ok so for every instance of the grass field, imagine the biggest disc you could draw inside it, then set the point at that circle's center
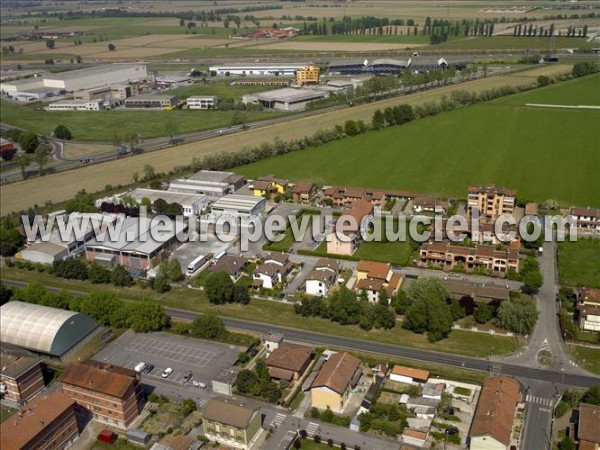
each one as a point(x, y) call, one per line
point(579, 263)
point(509, 42)
point(459, 342)
point(496, 142)
point(21, 195)
point(100, 126)
point(588, 358)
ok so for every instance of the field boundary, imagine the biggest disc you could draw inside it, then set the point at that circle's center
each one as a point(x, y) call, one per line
point(542, 105)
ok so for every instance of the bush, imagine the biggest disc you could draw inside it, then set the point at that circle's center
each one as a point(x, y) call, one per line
point(561, 409)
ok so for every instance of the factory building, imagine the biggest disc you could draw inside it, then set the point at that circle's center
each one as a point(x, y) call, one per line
point(286, 99)
point(191, 204)
point(257, 70)
point(76, 105)
point(208, 182)
point(385, 66)
point(114, 93)
point(242, 206)
point(150, 101)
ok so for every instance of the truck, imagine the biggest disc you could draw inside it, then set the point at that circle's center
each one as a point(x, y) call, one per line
point(196, 264)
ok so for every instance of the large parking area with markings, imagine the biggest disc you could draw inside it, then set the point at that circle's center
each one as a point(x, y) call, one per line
point(204, 359)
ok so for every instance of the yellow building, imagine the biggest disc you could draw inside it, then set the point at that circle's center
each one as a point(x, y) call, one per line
point(269, 185)
point(308, 75)
point(232, 423)
point(334, 382)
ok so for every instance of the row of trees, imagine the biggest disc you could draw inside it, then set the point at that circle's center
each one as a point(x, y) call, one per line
point(220, 289)
point(105, 308)
point(79, 269)
point(531, 30)
point(342, 307)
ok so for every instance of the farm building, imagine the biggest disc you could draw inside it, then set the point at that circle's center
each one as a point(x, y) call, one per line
point(43, 329)
point(151, 101)
point(202, 101)
point(208, 182)
point(191, 204)
point(257, 70)
point(286, 99)
point(137, 246)
point(75, 80)
point(243, 206)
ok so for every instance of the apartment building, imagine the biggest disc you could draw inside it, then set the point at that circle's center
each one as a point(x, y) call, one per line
point(21, 376)
point(345, 196)
point(491, 201)
point(347, 244)
point(446, 256)
point(202, 102)
point(110, 394)
point(308, 75)
point(232, 423)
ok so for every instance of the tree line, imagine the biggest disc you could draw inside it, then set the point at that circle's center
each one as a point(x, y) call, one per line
point(105, 308)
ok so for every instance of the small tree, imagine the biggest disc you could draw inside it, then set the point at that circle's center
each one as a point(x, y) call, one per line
point(121, 277)
point(41, 156)
point(219, 288)
point(22, 161)
point(208, 326)
point(50, 43)
point(111, 47)
point(29, 142)
point(483, 313)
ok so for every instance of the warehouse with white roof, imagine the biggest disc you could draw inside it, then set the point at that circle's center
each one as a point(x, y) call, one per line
point(242, 206)
point(43, 329)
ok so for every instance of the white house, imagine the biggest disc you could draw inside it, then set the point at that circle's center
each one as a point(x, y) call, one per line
point(318, 282)
point(267, 276)
point(202, 102)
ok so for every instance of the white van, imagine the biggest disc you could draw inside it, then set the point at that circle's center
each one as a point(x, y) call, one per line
point(140, 367)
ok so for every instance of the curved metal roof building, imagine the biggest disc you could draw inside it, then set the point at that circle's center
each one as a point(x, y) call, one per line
point(43, 329)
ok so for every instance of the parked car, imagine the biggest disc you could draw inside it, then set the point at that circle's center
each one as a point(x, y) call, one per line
point(451, 431)
point(187, 378)
point(149, 368)
point(141, 367)
point(168, 371)
point(199, 384)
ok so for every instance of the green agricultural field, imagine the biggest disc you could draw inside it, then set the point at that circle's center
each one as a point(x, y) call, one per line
point(537, 151)
point(509, 42)
point(102, 125)
point(385, 39)
point(579, 263)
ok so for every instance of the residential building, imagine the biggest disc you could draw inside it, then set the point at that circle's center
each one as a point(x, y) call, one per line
point(208, 182)
point(588, 431)
point(107, 393)
point(589, 309)
point(76, 105)
point(447, 256)
point(232, 423)
point(280, 259)
point(42, 329)
point(269, 186)
point(240, 206)
point(343, 196)
point(372, 277)
point(334, 382)
point(202, 102)
point(303, 192)
point(493, 419)
point(272, 341)
point(308, 75)
point(408, 375)
point(285, 99)
point(152, 101)
point(191, 204)
point(232, 265)
point(267, 276)
point(491, 201)
point(318, 282)
point(137, 245)
point(589, 297)
point(350, 229)
point(480, 292)
point(46, 423)
point(587, 219)
point(289, 361)
point(424, 204)
point(21, 376)
point(433, 390)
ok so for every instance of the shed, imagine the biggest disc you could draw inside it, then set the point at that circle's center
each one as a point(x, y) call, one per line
point(138, 436)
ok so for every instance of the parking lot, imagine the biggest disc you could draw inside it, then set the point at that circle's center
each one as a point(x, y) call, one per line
point(182, 354)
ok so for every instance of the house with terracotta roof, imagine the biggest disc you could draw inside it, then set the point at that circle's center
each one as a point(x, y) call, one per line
point(20, 377)
point(107, 393)
point(345, 196)
point(424, 204)
point(588, 308)
point(414, 437)
point(373, 277)
point(303, 192)
point(346, 236)
point(289, 361)
point(334, 382)
point(588, 431)
point(47, 422)
point(446, 256)
point(235, 424)
point(493, 419)
point(409, 375)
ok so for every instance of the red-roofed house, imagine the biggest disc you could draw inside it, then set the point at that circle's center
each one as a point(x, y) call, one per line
point(348, 228)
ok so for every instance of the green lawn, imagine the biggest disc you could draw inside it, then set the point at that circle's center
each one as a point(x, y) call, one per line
point(537, 151)
point(588, 358)
point(459, 342)
point(579, 263)
point(6, 412)
point(509, 42)
point(102, 125)
point(309, 444)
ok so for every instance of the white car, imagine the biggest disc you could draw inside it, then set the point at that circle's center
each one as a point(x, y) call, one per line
point(199, 384)
point(168, 371)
